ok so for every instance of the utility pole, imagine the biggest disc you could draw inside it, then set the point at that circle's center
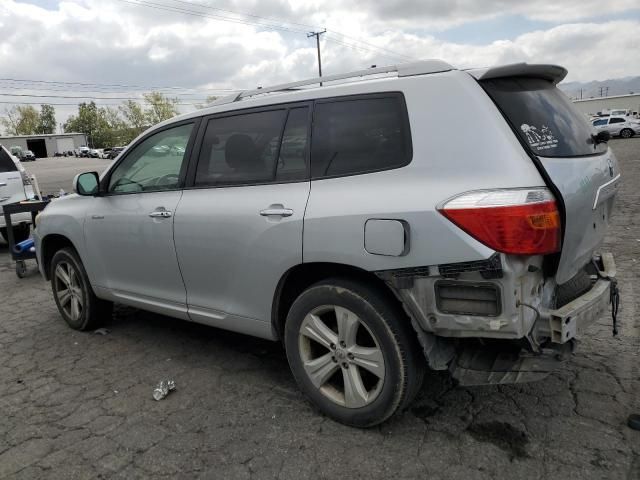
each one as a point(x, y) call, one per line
point(317, 35)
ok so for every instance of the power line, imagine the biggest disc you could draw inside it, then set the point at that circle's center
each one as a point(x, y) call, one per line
point(170, 8)
point(304, 25)
point(76, 103)
point(80, 96)
point(113, 85)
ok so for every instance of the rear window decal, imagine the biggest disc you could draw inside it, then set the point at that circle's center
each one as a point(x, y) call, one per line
point(542, 139)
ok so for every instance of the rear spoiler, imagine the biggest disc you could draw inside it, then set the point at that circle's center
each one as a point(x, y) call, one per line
point(552, 73)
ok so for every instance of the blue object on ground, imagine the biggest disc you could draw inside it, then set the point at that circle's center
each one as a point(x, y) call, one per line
point(24, 246)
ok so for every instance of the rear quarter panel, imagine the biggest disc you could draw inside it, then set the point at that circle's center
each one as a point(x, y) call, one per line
point(460, 143)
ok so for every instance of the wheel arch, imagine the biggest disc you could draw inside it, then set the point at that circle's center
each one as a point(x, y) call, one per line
point(49, 245)
point(298, 278)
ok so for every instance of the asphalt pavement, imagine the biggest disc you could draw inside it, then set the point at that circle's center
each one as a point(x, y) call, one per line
point(79, 405)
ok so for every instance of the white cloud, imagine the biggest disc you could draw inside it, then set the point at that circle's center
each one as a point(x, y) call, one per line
point(116, 42)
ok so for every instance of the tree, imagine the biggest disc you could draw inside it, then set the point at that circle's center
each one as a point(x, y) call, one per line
point(134, 115)
point(160, 108)
point(210, 98)
point(85, 122)
point(21, 120)
point(47, 121)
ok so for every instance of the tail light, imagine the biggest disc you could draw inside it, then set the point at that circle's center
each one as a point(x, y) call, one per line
point(517, 221)
point(25, 178)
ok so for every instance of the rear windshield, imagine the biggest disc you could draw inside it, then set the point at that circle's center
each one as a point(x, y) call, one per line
point(544, 117)
point(6, 163)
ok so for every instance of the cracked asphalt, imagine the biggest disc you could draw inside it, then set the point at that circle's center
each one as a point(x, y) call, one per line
point(79, 405)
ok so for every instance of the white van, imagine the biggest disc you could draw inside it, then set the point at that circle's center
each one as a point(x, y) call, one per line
point(15, 186)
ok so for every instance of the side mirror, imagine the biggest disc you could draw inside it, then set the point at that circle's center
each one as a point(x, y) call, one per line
point(602, 137)
point(86, 183)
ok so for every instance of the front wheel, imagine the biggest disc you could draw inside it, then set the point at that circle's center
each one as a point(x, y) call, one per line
point(353, 352)
point(626, 133)
point(74, 297)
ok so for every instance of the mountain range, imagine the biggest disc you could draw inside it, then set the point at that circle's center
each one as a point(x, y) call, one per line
point(615, 86)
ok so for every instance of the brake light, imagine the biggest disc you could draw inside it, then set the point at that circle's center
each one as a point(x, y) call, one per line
point(517, 221)
point(25, 178)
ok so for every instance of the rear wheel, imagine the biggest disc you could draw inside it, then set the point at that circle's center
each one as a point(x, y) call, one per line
point(76, 302)
point(626, 133)
point(352, 352)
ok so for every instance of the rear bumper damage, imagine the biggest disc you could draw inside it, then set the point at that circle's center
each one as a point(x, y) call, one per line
point(533, 341)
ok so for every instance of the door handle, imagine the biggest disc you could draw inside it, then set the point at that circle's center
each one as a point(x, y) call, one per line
point(161, 214)
point(3, 184)
point(279, 211)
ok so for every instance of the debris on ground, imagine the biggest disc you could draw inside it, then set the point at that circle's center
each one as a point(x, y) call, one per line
point(101, 331)
point(163, 389)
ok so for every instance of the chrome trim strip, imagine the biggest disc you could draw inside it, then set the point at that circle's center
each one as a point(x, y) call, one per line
point(604, 185)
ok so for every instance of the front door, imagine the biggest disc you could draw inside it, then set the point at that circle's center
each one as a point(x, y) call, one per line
point(240, 227)
point(129, 229)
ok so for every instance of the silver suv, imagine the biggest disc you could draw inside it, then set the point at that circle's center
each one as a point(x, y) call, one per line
point(356, 223)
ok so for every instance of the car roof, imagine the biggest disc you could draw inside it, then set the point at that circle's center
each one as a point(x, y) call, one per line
point(306, 90)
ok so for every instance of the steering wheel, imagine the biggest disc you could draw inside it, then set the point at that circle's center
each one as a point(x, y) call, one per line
point(167, 180)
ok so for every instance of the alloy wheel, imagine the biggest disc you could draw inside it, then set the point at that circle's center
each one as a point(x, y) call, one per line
point(68, 290)
point(341, 356)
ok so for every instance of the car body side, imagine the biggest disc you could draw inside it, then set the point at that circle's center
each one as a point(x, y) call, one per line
point(338, 209)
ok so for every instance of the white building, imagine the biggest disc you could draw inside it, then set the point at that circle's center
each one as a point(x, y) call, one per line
point(604, 104)
point(46, 145)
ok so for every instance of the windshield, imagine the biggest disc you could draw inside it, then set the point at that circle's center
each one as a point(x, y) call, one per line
point(544, 117)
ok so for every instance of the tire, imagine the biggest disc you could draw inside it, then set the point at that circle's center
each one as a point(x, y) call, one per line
point(373, 329)
point(82, 310)
point(573, 288)
point(626, 133)
point(20, 232)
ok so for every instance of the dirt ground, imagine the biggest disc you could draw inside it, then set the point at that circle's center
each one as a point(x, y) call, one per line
point(79, 405)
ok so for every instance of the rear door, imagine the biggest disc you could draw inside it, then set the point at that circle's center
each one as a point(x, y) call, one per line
point(11, 185)
point(238, 229)
point(584, 173)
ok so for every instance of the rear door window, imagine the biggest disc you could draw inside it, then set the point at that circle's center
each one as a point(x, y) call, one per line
point(616, 120)
point(360, 135)
point(6, 162)
point(240, 149)
point(544, 118)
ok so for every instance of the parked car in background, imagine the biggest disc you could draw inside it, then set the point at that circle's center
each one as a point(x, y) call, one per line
point(95, 153)
point(348, 222)
point(115, 151)
point(82, 151)
point(15, 186)
point(621, 126)
point(106, 152)
point(28, 156)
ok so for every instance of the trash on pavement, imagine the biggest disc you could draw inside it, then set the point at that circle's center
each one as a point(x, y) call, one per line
point(163, 389)
point(101, 331)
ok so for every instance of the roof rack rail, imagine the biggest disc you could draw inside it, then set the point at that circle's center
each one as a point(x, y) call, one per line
point(403, 70)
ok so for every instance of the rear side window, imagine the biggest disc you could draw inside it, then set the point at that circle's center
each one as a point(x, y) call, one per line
point(6, 162)
point(616, 120)
point(359, 135)
point(241, 149)
point(544, 118)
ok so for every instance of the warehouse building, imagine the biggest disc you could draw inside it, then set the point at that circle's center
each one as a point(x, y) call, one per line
point(46, 145)
point(605, 104)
